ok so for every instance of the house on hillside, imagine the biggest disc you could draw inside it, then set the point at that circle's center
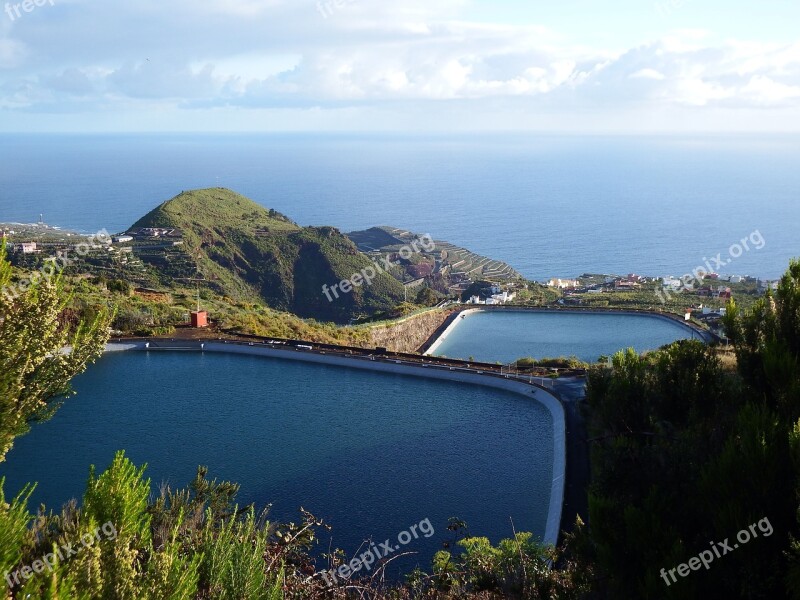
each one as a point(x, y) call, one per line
point(27, 248)
point(705, 291)
point(564, 284)
point(155, 232)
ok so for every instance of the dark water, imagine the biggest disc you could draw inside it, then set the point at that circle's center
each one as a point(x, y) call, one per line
point(372, 454)
point(508, 336)
point(550, 206)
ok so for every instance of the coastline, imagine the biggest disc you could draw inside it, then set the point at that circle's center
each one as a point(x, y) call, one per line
point(548, 398)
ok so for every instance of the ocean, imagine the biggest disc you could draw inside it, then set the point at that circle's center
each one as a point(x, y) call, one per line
point(551, 206)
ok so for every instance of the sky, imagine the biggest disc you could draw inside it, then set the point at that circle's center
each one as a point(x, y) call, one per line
point(561, 66)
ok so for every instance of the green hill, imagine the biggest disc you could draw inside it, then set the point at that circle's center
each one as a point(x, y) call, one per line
point(246, 251)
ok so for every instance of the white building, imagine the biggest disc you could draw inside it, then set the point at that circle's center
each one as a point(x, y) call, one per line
point(564, 283)
point(504, 297)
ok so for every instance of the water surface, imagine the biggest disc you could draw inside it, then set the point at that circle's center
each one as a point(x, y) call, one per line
point(551, 206)
point(371, 453)
point(507, 336)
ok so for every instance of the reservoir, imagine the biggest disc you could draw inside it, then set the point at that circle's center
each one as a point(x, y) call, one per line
point(370, 453)
point(505, 336)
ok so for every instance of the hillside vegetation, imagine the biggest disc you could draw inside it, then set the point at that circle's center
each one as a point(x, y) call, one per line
point(248, 252)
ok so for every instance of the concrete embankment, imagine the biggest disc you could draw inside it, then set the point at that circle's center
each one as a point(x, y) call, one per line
point(406, 335)
point(420, 369)
point(440, 336)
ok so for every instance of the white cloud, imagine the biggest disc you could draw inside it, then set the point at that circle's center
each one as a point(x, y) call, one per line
point(648, 74)
point(84, 55)
point(697, 92)
point(763, 90)
point(12, 53)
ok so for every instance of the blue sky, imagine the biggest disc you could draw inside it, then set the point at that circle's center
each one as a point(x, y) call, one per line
point(572, 66)
point(632, 21)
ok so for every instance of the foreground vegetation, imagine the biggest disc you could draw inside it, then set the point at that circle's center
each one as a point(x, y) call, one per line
point(686, 452)
point(686, 449)
point(197, 543)
point(34, 373)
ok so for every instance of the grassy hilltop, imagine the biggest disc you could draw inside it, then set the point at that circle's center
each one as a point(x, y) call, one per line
point(248, 252)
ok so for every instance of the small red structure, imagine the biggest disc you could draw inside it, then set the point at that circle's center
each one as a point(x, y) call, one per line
point(199, 319)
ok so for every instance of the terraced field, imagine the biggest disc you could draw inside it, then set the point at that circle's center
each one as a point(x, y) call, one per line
point(450, 259)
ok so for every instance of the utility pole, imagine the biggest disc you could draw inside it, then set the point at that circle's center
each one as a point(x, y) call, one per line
point(197, 281)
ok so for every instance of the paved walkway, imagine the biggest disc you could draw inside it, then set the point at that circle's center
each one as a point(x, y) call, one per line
point(572, 391)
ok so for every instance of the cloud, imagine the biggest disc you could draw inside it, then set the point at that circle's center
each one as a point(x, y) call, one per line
point(163, 81)
point(71, 81)
point(648, 74)
point(85, 55)
point(765, 91)
point(12, 53)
